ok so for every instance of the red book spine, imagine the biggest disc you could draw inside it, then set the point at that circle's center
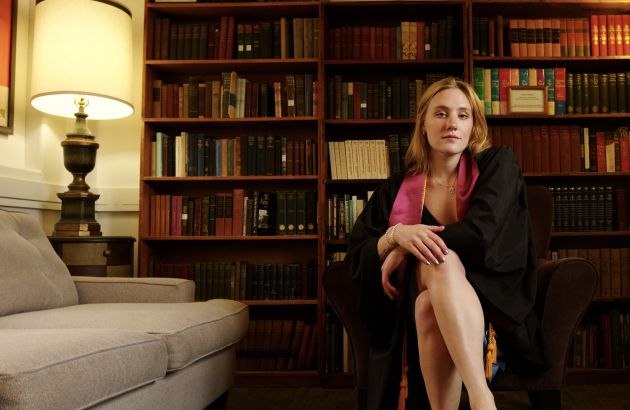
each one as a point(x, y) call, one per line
point(624, 150)
point(565, 149)
point(618, 35)
point(372, 42)
point(571, 40)
point(554, 149)
point(576, 149)
point(611, 35)
point(238, 196)
point(594, 36)
point(544, 148)
point(625, 22)
point(601, 150)
point(603, 35)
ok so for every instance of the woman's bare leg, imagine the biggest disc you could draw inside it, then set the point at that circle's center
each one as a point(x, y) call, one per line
point(442, 381)
point(461, 323)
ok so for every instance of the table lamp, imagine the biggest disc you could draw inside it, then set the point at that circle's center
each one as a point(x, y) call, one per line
point(82, 65)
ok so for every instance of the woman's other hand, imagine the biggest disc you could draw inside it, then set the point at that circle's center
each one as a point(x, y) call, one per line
point(423, 242)
point(395, 260)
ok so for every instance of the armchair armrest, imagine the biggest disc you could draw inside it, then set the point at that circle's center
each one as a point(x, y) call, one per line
point(567, 286)
point(133, 290)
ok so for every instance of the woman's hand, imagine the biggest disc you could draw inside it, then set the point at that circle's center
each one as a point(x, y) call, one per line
point(395, 260)
point(422, 242)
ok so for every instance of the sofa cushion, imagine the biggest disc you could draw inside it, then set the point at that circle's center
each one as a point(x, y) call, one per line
point(74, 368)
point(32, 276)
point(189, 330)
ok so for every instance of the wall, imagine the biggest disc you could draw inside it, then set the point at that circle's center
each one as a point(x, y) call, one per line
point(31, 159)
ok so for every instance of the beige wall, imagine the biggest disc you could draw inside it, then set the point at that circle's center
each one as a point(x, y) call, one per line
point(31, 163)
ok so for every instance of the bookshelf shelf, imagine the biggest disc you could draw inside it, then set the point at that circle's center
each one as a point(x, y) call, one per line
point(245, 9)
point(230, 179)
point(383, 122)
point(579, 174)
point(230, 238)
point(233, 121)
point(393, 63)
point(590, 235)
point(258, 66)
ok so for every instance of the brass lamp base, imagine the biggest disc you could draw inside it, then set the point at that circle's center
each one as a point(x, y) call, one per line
point(77, 203)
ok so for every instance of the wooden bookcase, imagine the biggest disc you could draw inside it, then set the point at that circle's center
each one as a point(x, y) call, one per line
point(570, 180)
point(330, 67)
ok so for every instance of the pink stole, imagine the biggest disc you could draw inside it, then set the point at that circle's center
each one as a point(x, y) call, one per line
point(409, 202)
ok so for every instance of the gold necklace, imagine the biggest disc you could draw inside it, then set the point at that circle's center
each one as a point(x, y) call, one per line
point(449, 187)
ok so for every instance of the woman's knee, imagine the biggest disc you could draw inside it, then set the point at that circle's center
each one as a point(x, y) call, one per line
point(424, 315)
point(451, 268)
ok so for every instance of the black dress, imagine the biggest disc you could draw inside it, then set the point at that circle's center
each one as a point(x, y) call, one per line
point(494, 242)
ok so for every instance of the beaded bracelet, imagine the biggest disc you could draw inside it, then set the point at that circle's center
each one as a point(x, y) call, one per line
point(391, 239)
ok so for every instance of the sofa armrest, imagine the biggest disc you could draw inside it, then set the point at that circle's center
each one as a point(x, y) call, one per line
point(133, 290)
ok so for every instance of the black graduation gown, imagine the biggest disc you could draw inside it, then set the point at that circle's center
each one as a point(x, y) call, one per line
point(494, 242)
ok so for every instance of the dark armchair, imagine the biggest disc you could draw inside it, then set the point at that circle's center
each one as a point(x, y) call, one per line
point(565, 289)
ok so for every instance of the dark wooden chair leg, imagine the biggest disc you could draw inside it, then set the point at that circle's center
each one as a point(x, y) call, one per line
point(361, 398)
point(220, 403)
point(545, 399)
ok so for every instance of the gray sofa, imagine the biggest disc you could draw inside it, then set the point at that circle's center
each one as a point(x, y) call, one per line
point(106, 343)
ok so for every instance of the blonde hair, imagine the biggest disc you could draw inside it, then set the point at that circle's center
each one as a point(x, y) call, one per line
point(417, 156)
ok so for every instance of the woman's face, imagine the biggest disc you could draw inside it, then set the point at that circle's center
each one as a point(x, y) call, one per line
point(448, 122)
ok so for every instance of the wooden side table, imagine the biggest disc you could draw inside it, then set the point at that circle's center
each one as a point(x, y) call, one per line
point(97, 255)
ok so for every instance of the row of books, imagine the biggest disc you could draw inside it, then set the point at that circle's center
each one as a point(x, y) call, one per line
point(359, 159)
point(292, 95)
point(342, 211)
point(199, 154)
point(613, 266)
point(565, 148)
point(585, 208)
point(408, 40)
point(598, 93)
point(234, 213)
point(335, 256)
point(226, 38)
point(602, 342)
point(278, 344)
point(594, 36)
point(492, 87)
point(243, 280)
point(392, 97)
point(567, 93)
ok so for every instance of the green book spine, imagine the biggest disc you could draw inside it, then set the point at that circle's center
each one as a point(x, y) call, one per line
point(311, 212)
point(523, 77)
point(621, 92)
point(577, 93)
point(494, 91)
point(612, 93)
point(478, 81)
point(281, 217)
point(291, 212)
point(603, 93)
point(300, 212)
point(586, 103)
point(549, 74)
point(594, 93)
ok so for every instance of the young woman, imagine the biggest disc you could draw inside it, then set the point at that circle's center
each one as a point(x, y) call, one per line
point(441, 250)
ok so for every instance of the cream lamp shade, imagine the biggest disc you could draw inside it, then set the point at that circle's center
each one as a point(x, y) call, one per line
point(82, 49)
